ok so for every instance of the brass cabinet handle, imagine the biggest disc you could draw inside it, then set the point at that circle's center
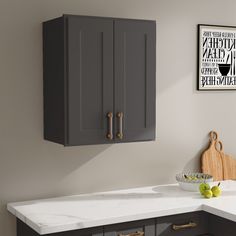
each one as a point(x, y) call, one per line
point(119, 134)
point(110, 125)
point(138, 233)
point(186, 226)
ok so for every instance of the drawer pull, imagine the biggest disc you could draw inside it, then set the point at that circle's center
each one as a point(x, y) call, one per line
point(110, 125)
point(138, 233)
point(186, 226)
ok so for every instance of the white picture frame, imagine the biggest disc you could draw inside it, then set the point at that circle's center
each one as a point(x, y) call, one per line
point(216, 57)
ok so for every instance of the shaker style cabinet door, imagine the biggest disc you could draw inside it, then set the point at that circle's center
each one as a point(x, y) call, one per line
point(134, 78)
point(90, 79)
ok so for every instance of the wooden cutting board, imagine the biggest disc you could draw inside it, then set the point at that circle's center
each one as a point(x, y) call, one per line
point(211, 160)
point(229, 163)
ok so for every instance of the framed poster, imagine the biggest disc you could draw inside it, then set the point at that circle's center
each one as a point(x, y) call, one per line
point(216, 57)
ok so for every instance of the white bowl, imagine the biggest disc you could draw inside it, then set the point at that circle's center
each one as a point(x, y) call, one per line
point(192, 184)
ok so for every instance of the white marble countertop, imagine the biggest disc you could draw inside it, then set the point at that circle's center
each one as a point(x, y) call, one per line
point(89, 210)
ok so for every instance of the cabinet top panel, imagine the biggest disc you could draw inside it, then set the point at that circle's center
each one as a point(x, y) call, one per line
point(97, 209)
point(102, 17)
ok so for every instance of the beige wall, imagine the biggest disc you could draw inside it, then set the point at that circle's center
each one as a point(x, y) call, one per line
point(33, 168)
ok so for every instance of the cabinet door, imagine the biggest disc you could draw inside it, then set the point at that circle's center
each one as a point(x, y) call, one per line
point(90, 79)
point(134, 72)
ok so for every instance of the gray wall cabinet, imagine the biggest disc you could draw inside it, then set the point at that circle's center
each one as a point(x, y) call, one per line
point(99, 80)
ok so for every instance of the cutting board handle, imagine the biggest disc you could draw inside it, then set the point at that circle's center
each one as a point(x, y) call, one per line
point(213, 136)
point(219, 146)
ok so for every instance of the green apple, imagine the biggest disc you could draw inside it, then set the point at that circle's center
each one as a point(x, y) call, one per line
point(216, 190)
point(208, 194)
point(203, 187)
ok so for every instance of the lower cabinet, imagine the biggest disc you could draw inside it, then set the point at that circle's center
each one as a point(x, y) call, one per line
point(135, 228)
point(189, 224)
point(219, 226)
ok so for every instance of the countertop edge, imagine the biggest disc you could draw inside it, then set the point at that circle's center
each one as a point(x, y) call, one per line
point(218, 212)
point(43, 230)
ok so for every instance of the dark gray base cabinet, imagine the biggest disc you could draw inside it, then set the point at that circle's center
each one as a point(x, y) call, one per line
point(221, 227)
point(99, 80)
point(188, 224)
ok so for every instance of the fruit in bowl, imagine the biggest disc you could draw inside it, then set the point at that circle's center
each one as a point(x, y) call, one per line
point(191, 181)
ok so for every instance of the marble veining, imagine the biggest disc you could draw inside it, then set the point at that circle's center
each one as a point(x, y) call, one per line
point(88, 210)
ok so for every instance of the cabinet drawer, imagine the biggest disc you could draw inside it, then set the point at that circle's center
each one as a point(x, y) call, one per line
point(135, 228)
point(189, 224)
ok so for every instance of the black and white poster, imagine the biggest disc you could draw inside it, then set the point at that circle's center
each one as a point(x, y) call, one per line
point(217, 57)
